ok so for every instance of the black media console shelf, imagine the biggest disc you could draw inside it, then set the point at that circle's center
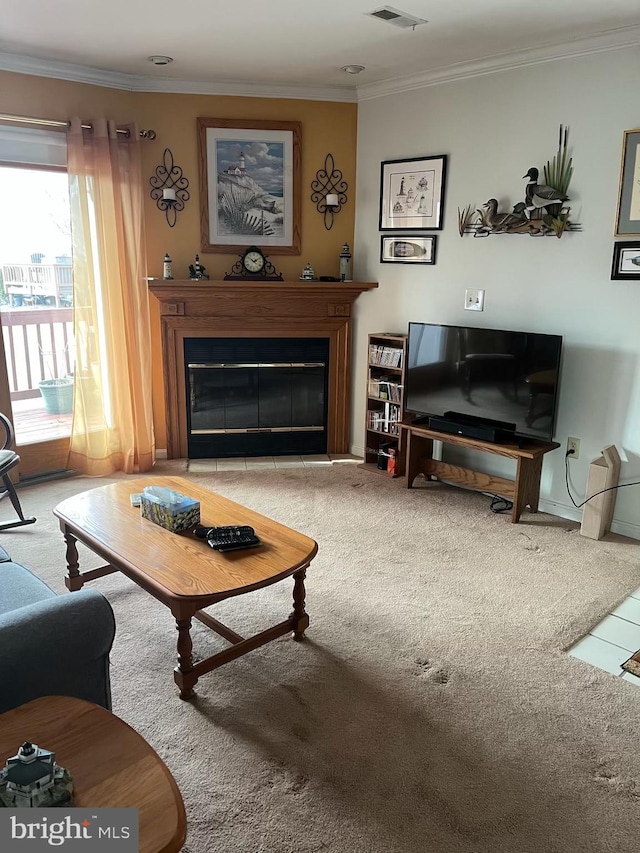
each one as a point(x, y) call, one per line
point(524, 490)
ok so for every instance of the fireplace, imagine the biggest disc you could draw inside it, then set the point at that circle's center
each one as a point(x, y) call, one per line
point(220, 311)
point(256, 396)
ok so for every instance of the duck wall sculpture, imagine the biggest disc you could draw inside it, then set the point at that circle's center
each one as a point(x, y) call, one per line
point(538, 196)
point(542, 213)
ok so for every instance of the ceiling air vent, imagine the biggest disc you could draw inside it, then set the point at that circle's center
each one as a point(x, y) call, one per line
point(394, 16)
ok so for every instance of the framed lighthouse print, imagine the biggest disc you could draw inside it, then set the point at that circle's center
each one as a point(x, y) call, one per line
point(250, 191)
point(412, 193)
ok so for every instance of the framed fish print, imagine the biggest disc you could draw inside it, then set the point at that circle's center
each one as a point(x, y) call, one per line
point(412, 193)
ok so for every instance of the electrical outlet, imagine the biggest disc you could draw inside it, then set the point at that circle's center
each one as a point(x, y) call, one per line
point(474, 300)
point(573, 444)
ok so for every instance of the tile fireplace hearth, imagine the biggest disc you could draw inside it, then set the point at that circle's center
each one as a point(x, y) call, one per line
point(249, 311)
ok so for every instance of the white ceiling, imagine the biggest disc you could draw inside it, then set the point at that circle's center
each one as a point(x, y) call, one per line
point(296, 44)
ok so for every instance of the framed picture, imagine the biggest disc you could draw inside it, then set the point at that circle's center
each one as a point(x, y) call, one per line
point(412, 194)
point(250, 191)
point(628, 215)
point(626, 261)
point(408, 249)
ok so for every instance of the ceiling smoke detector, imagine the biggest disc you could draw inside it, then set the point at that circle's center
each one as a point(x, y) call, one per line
point(353, 69)
point(160, 60)
point(394, 16)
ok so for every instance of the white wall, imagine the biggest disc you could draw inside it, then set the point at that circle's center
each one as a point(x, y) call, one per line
point(494, 128)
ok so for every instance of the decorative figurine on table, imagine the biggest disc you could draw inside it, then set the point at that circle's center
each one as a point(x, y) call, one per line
point(167, 269)
point(32, 779)
point(345, 263)
point(197, 271)
point(307, 273)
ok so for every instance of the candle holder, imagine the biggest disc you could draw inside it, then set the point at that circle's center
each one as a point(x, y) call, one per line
point(169, 187)
point(329, 191)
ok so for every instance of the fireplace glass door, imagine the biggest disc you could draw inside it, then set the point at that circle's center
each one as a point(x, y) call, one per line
point(256, 396)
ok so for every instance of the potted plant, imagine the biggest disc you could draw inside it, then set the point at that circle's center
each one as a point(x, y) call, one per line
point(57, 393)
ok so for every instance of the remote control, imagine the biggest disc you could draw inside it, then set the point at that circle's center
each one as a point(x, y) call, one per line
point(228, 538)
point(203, 532)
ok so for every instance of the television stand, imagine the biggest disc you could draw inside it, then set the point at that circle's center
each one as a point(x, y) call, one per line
point(523, 490)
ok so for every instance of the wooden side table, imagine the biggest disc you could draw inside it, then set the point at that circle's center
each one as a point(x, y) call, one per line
point(112, 765)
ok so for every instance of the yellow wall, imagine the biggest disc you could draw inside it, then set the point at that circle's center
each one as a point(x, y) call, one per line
point(327, 127)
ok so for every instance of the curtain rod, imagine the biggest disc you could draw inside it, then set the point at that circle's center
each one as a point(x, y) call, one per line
point(49, 122)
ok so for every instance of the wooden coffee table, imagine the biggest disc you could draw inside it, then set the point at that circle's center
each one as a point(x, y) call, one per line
point(181, 570)
point(112, 765)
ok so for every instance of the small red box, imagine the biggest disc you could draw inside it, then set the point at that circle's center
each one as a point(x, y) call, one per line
point(391, 463)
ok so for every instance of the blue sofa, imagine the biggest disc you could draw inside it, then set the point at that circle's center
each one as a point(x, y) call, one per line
point(51, 644)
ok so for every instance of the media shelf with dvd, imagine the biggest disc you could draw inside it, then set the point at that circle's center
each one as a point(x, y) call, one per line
point(386, 357)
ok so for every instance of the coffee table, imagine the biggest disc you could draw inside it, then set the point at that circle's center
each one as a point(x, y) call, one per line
point(181, 570)
point(112, 765)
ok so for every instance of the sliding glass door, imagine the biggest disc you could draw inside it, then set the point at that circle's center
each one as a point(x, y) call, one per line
point(36, 298)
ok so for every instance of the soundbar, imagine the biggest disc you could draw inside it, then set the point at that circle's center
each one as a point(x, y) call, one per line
point(456, 423)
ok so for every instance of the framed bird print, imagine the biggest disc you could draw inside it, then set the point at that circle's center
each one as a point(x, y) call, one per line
point(412, 193)
point(628, 215)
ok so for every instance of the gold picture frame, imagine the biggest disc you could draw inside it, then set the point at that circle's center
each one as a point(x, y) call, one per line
point(628, 213)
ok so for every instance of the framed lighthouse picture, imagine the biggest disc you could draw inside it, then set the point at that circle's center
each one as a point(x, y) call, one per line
point(412, 193)
point(250, 192)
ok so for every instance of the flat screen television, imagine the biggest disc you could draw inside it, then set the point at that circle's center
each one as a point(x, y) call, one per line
point(484, 375)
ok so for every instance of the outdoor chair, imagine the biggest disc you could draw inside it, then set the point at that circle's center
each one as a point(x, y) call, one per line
point(8, 460)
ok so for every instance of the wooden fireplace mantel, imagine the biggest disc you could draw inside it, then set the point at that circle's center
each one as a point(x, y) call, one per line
point(251, 309)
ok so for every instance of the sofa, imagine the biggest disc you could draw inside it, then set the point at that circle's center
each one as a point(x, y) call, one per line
point(51, 644)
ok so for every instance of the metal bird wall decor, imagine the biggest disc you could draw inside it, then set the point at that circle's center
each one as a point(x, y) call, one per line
point(543, 212)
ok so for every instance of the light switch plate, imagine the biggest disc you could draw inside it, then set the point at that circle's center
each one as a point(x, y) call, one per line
point(474, 300)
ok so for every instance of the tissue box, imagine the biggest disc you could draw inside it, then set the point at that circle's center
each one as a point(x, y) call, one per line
point(169, 509)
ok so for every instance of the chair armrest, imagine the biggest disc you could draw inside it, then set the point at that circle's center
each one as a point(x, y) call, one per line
point(59, 646)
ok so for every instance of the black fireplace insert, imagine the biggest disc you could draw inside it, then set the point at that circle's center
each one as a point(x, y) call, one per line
point(256, 396)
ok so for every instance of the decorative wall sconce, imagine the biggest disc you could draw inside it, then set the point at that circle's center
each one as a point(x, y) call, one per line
point(329, 191)
point(169, 188)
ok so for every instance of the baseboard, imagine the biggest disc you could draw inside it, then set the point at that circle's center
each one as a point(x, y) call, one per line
point(45, 477)
point(161, 453)
point(623, 528)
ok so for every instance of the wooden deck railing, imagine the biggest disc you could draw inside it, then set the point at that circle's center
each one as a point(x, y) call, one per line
point(38, 344)
point(38, 284)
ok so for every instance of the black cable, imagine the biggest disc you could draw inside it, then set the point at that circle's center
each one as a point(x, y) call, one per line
point(499, 504)
point(595, 495)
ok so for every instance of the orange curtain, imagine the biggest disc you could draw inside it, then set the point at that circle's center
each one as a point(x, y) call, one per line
point(112, 427)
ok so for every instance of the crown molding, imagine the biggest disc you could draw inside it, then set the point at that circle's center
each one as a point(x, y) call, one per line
point(20, 64)
point(617, 39)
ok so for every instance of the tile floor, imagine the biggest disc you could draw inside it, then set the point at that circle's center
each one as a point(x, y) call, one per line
point(207, 466)
point(614, 640)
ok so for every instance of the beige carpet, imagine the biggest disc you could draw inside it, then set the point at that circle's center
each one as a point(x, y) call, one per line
point(433, 707)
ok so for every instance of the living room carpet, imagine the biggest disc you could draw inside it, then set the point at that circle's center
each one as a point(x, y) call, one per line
point(432, 707)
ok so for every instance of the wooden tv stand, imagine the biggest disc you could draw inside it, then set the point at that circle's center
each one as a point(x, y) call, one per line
point(417, 442)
